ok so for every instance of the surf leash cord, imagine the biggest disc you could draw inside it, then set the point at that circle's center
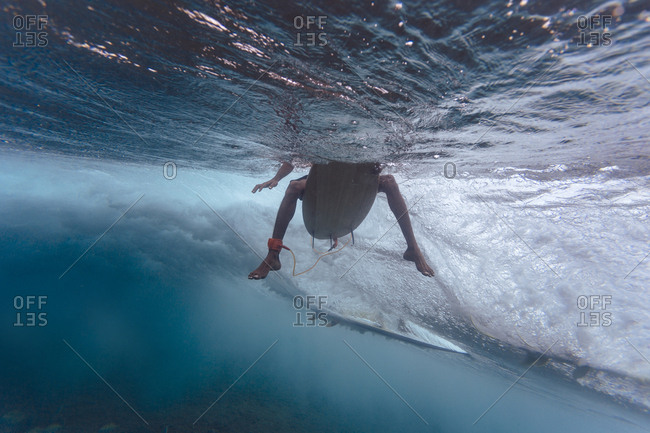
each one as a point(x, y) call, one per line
point(277, 245)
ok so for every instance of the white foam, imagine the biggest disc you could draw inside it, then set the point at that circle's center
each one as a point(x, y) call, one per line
point(510, 254)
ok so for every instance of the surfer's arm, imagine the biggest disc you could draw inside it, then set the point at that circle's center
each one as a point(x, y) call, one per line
point(284, 170)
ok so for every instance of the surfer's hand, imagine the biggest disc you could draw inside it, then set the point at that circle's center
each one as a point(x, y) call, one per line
point(268, 184)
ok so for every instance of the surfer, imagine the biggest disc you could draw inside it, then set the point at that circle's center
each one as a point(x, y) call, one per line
point(320, 180)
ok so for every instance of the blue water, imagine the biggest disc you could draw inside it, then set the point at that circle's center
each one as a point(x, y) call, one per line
point(522, 153)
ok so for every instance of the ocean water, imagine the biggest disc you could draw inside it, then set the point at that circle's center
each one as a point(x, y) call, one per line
point(132, 137)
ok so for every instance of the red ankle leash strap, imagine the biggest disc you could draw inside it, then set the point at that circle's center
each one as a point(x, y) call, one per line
point(276, 245)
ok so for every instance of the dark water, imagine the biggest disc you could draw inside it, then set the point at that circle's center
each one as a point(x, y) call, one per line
point(548, 203)
point(478, 81)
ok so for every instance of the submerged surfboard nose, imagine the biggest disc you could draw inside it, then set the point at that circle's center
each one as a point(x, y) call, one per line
point(338, 197)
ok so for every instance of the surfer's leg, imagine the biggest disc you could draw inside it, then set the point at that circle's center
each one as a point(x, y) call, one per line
point(288, 207)
point(285, 213)
point(388, 185)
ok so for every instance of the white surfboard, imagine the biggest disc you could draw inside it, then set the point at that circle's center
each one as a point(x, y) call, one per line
point(411, 333)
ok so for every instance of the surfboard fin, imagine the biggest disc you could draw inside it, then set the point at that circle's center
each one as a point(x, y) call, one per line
point(352, 234)
point(334, 242)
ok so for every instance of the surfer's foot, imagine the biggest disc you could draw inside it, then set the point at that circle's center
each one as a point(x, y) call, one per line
point(415, 255)
point(270, 263)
